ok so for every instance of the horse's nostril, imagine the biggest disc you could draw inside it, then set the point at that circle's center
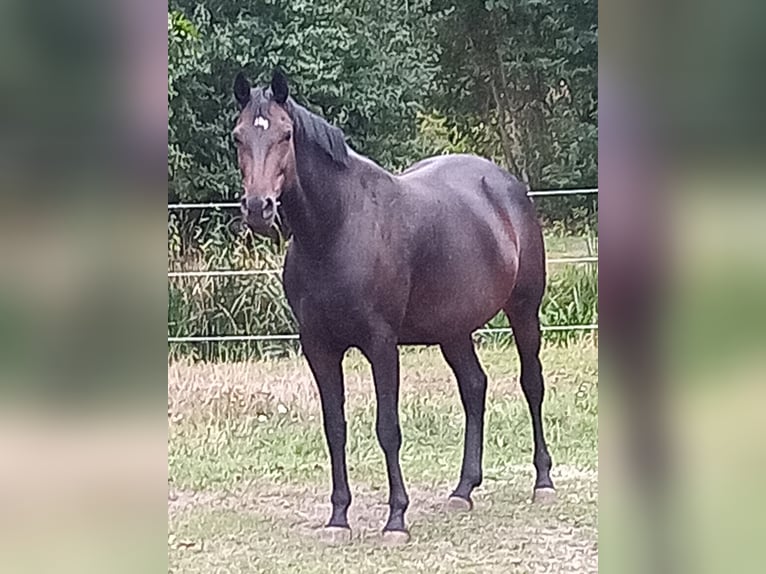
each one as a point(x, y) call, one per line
point(269, 206)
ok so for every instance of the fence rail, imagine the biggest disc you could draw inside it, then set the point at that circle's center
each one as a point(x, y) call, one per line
point(295, 336)
point(277, 272)
point(234, 204)
point(272, 272)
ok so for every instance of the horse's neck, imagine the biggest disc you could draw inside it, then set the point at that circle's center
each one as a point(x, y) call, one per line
point(329, 197)
point(316, 208)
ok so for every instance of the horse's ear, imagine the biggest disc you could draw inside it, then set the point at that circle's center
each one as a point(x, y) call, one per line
point(241, 90)
point(279, 89)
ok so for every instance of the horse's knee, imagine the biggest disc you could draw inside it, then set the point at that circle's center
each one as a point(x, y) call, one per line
point(474, 391)
point(532, 377)
point(479, 385)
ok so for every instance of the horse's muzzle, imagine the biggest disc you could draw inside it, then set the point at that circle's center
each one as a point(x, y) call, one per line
point(259, 213)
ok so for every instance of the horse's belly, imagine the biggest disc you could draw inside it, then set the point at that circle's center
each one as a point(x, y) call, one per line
point(443, 307)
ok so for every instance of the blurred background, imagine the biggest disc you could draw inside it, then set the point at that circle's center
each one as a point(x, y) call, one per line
point(682, 276)
point(82, 286)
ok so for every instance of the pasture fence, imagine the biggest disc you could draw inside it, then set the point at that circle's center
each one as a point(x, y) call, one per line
point(276, 273)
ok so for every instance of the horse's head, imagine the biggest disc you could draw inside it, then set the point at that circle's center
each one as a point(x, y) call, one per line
point(265, 150)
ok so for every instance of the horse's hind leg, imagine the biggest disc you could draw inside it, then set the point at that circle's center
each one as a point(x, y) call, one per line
point(472, 383)
point(522, 311)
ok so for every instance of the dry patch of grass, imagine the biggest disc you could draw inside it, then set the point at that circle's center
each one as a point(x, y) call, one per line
point(249, 473)
point(264, 528)
point(221, 390)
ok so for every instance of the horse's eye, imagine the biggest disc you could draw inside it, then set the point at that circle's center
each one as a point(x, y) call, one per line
point(237, 140)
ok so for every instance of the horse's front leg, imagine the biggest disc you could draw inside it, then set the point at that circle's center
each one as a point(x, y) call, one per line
point(326, 366)
point(384, 357)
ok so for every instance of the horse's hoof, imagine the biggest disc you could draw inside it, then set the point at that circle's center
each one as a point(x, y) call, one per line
point(334, 535)
point(458, 504)
point(545, 495)
point(395, 537)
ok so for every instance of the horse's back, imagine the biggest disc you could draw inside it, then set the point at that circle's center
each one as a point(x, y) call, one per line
point(470, 187)
point(461, 171)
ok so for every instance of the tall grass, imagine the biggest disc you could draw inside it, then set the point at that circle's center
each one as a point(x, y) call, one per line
point(256, 305)
point(571, 298)
point(225, 305)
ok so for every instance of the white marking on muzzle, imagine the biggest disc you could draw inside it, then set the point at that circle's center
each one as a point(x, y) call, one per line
point(261, 122)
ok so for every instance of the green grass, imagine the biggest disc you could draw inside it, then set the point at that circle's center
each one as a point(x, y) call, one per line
point(249, 473)
point(562, 244)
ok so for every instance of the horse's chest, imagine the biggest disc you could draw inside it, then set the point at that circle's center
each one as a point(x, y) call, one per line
point(347, 295)
point(325, 303)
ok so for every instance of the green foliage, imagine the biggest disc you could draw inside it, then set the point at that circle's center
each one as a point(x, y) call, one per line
point(360, 65)
point(515, 78)
point(225, 305)
point(525, 71)
point(183, 54)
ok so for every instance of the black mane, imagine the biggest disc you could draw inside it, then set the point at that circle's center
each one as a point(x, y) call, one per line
point(308, 126)
point(311, 127)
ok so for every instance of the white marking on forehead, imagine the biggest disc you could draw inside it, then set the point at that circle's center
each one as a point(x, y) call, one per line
point(261, 122)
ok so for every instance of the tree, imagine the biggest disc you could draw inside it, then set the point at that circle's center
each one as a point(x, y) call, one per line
point(512, 80)
point(525, 69)
point(365, 66)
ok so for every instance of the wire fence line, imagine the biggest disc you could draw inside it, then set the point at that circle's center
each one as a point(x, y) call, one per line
point(234, 204)
point(276, 272)
point(296, 336)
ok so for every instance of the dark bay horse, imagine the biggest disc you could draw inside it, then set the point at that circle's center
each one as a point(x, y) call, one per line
point(377, 260)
